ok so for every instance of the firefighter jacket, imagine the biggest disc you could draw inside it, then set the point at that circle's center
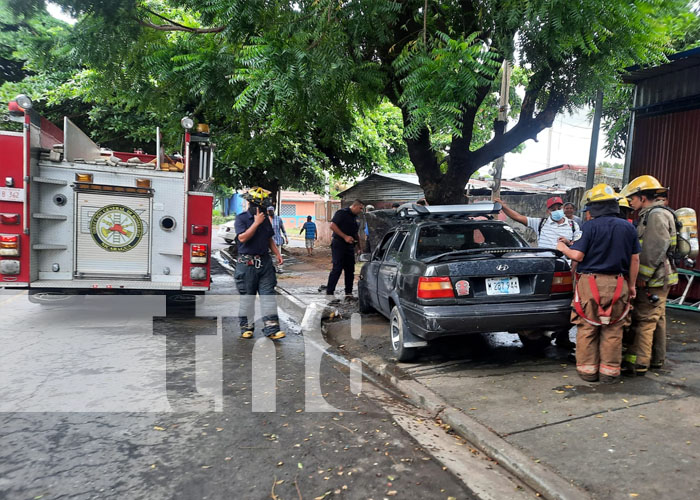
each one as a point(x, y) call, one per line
point(657, 235)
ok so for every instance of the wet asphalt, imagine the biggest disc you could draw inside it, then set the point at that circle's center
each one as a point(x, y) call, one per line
point(115, 404)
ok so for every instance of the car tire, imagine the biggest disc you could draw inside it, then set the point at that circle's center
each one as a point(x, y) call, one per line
point(364, 303)
point(534, 341)
point(396, 333)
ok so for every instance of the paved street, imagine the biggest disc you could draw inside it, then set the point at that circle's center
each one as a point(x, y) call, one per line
point(118, 405)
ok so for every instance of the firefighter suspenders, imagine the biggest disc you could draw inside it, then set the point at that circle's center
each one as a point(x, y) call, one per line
point(603, 314)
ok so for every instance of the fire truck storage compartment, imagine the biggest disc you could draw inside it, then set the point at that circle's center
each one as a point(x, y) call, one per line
point(113, 235)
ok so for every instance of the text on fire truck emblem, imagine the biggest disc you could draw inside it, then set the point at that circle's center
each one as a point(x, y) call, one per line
point(116, 228)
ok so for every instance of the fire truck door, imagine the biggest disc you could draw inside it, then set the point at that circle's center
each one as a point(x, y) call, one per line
point(113, 235)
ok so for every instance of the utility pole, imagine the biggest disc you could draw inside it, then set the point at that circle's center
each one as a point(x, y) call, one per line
point(590, 176)
point(501, 122)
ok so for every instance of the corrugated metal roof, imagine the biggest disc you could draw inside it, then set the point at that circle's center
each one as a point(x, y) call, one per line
point(406, 186)
point(286, 195)
point(678, 61)
point(556, 168)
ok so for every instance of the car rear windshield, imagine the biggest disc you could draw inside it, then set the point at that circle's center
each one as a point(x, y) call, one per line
point(442, 238)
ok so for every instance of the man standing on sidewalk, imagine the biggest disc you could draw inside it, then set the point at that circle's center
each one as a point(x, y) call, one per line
point(608, 261)
point(657, 234)
point(310, 228)
point(343, 247)
point(255, 273)
point(551, 228)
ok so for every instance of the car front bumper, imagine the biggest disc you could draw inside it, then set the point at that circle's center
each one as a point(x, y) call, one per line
point(431, 322)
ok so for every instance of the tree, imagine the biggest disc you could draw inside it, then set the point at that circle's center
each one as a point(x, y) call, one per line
point(314, 69)
point(618, 98)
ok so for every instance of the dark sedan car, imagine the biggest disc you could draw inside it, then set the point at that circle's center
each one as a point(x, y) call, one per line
point(452, 270)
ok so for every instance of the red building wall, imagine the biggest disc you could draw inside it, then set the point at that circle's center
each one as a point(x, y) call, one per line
point(668, 147)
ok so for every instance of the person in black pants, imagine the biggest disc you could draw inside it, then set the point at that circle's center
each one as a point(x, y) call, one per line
point(343, 247)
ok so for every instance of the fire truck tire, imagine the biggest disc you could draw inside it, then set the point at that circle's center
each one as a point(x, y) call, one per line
point(180, 304)
point(54, 298)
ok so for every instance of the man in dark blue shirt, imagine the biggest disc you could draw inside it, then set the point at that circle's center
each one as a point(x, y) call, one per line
point(344, 227)
point(255, 272)
point(608, 261)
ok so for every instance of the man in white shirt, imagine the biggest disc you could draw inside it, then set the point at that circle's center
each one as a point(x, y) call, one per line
point(556, 225)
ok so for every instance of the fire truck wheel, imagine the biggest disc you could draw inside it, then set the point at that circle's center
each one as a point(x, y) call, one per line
point(54, 298)
point(180, 304)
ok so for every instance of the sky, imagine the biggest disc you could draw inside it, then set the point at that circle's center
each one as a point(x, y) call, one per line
point(570, 144)
point(570, 137)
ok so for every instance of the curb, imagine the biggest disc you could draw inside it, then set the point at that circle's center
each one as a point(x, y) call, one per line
point(536, 475)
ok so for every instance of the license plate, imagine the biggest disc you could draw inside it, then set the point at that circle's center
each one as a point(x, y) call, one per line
point(12, 194)
point(502, 286)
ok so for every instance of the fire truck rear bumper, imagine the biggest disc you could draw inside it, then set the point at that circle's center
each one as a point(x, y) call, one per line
point(106, 284)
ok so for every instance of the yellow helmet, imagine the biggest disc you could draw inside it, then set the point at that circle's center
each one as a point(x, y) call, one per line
point(623, 202)
point(584, 199)
point(642, 183)
point(257, 195)
point(601, 192)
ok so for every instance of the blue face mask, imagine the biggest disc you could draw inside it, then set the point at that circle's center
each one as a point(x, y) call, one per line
point(557, 215)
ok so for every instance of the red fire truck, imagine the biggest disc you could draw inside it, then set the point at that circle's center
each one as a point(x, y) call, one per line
point(76, 219)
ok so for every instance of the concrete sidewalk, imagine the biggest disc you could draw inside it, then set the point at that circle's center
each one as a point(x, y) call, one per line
point(562, 436)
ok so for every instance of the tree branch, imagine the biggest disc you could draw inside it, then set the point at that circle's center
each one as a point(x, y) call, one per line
point(174, 26)
point(521, 132)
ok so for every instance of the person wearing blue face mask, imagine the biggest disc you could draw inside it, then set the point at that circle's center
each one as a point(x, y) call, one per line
point(549, 229)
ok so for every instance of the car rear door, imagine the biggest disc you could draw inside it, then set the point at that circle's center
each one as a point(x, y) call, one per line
point(372, 273)
point(389, 269)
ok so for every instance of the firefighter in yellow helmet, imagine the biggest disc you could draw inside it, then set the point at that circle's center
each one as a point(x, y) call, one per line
point(607, 257)
point(656, 230)
point(255, 272)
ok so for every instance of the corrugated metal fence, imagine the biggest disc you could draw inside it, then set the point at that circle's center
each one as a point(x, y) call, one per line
point(668, 147)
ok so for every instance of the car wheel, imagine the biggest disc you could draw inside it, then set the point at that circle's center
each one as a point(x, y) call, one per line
point(534, 341)
point(396, 330)
point(364, 303)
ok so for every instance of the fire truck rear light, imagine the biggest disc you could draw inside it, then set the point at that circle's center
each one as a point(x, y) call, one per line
point(198, 273)
point(199, 230)
point(9, 245)
point(143, 183)
point(83, 177)
point(198, 254)
point(9, 267)
point(9, 218)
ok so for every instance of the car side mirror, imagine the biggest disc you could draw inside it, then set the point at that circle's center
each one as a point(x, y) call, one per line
point(365, 257)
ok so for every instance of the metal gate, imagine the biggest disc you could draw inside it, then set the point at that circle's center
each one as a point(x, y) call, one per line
point(113, 235)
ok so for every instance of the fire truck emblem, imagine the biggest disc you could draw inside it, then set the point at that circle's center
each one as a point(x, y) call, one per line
point(116, 228)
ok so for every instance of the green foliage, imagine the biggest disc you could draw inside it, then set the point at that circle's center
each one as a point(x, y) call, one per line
point(296, 89)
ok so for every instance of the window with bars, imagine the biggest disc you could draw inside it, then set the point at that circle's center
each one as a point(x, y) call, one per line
point(288, 209)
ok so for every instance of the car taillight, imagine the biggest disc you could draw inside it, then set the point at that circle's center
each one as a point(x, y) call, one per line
point(199, 230)
point(9, 218)
point(439, 287)
point(198, 254)
point(562, 282)
point(9, 245)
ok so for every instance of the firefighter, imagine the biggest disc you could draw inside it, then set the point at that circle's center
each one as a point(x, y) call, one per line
point(255, 272)
point(608, 261)
point(656, 230)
